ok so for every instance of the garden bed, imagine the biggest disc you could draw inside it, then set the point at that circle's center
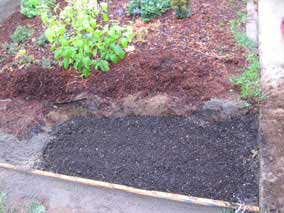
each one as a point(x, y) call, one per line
point(173, 154)
point(200, 141)
point(192, 58)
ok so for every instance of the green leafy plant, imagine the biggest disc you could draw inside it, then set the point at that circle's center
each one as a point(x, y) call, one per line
point(24, 58)
point(10, 48)
point(240, 37)
point(182, 7)
point(32, 8)
point(36, 208)
point(249, 80)
point(2, 202)
point(45, 62)
point(148, 9)
point(42, 41)
point(27, 59)
point(21, 34)
point(82, 35)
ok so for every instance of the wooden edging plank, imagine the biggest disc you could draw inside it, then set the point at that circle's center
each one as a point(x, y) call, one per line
point(154, 194)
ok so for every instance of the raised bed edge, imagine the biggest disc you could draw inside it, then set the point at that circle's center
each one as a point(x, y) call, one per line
point(154, 194)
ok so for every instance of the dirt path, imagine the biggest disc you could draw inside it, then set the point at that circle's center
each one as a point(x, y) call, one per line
point(272, 110)
point(8, 7)
point(59, 196)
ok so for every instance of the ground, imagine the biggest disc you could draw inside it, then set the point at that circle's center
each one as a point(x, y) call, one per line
point(172, 154)
point(189, 61)
point(64, 197)
point(8, 8)
point(272, 114)
point(192, 57)
point(176, 68)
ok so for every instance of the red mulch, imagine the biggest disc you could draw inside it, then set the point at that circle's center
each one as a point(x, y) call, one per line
point(192, 58)
point(34, 82)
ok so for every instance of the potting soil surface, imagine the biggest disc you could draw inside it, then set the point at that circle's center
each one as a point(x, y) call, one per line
point(191, 156)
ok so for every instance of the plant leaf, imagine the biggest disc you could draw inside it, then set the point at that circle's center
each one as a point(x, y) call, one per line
point(104, 65)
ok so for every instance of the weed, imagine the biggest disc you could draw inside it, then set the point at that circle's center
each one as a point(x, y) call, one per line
point(222, 51)
point(31, 8)
point(249, 80)
point(147, 9)
point(10, 48)
point(24, 58)
point(222, 23)
point(240, 37)
point(21, 34)
point(36, 208)
point(27, 59)
point(182, 7)
point(15, 64)
point(2, 202)
point(33, 208)
point(141, 35)
point(84, 37)
point(45, 62)
point(42, 40)
point(242, 17)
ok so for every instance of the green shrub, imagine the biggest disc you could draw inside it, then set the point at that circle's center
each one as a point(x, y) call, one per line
point(182, 7)
point(148, 9)
point(83, 36)
point(21, 34)
point(32, 8)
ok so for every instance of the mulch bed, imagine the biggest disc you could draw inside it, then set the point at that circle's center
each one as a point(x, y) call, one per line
point(191, 58)
point(174, 154)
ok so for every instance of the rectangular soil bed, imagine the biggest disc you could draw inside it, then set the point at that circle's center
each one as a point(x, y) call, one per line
point(173, 154)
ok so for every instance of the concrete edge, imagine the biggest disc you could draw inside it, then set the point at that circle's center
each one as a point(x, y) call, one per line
point(271, 120)
point(252, 21)
point(7, 8)
point(154, 194)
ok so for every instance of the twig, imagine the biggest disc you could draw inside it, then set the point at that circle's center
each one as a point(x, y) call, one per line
point(69, 101)
point(5, 100)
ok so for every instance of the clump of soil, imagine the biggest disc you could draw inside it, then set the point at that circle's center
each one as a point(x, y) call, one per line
point(174, 154)
point(34, 82)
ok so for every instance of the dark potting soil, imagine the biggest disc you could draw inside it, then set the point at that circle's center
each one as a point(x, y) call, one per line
point(173, 154)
